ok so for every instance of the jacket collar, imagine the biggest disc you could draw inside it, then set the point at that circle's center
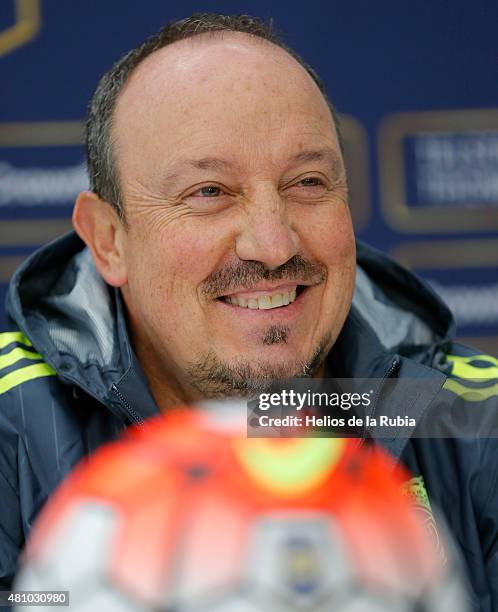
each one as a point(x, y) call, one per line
point(131, 393)
point(402, 385)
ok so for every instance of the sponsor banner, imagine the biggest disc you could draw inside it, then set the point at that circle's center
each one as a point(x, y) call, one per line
point(453, 169)
point(42, 169)
point(439, 171)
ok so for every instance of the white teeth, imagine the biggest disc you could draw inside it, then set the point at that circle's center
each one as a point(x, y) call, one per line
point(265, 302)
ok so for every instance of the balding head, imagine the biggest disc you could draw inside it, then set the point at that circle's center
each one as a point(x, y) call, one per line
point(102, 171)
point(197, 95)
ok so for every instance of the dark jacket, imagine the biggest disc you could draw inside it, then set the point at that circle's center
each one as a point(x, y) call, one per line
point(70, 382)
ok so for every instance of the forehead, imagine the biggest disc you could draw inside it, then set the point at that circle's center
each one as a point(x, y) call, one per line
point(226, 92)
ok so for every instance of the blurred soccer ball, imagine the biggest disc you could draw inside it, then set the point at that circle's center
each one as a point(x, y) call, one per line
point(186, 514)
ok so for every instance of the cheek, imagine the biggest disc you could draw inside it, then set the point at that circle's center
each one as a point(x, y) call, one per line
point(332, 240)
point(175, 261)
point(336, 248)
point(192, 254)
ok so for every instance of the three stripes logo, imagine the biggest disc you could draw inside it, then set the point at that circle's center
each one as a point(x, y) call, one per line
point(473, 378)
point(19, 362)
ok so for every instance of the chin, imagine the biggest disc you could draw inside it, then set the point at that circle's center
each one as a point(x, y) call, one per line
point(215, 376)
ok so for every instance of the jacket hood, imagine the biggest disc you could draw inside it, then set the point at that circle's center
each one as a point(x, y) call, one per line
point(75, 320)
point(404, 311)
point(70, 314)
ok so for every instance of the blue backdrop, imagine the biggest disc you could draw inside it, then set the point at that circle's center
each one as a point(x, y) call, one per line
point(415, 83)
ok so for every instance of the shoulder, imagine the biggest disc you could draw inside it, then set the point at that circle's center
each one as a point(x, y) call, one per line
point(28, 390)
point(470, 394)
point(22, 368)
point(472, 375)
point(472, 382)
point(467, 362)
point(23, 391)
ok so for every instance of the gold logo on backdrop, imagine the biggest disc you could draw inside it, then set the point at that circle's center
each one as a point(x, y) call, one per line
point(25, 27)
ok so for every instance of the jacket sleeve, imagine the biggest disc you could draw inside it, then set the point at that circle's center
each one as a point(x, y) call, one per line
point(492, 570)
point(489, 518)
point(11, 527)
point(11, 538)
point(475, 376)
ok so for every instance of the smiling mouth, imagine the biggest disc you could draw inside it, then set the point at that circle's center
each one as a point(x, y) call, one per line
point(266, 300)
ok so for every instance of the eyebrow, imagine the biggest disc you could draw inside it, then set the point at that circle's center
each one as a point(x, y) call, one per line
point(205, 163)
point(210, 163)
point(218, 163)
point(315, 155)
point(308, 155)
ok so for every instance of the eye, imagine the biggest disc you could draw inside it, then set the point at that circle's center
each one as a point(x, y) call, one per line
point(308, 187)
point(208, 191)
point(311, 181)
point(208, 198)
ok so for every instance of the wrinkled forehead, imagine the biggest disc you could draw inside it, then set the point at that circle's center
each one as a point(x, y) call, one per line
point(205, 91)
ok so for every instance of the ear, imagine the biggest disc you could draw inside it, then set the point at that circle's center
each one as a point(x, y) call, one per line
point(97, 223)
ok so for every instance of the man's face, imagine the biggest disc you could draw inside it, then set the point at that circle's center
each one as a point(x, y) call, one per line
point(239, 250)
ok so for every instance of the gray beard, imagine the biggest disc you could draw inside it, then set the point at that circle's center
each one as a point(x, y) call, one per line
point(214, 379)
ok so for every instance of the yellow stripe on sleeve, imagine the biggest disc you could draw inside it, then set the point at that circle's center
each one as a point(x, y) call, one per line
point(471, 394)
point(463, 368)
point(7, 338)
point(16, 355)
point(13, 379)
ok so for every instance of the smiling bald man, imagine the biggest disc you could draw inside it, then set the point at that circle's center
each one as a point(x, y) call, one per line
point(213, 254)
point(234, 202)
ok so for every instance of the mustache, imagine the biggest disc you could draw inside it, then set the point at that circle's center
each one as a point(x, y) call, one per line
point(246, 274)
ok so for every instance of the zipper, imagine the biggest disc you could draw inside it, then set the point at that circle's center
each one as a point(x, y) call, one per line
point(132, 414)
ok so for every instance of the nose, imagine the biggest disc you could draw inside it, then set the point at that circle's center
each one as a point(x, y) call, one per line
point(267, 234)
